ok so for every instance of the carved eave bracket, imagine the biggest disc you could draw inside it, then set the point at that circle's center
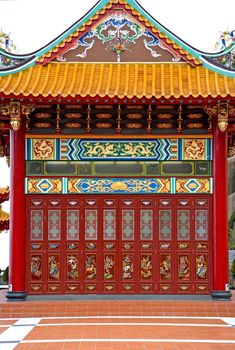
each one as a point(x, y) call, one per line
point(221, 111)
point(26, 110)
point(212, 113)
point(223, 116)
point(15, 118)
point(14, 111)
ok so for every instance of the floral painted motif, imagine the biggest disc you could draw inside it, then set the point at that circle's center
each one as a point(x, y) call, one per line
point(127, 266)
point(72, 267)
point(119, 33)
point(54, 267)
point(91, 267)
point(8, 62)
point(146, 266)
point(108, 267)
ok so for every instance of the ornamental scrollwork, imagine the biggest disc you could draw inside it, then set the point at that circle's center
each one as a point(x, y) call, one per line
point(5, 109)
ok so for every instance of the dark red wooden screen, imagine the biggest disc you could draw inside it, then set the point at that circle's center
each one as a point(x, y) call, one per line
point(127, 244)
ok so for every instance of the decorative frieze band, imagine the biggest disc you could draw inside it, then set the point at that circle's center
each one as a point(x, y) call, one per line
point(158, 149)
point(118, 185)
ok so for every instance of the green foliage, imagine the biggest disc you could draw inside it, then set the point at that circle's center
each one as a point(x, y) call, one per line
point(233, 268)
point(5, 275)
point(231, 221)
point(231, 231)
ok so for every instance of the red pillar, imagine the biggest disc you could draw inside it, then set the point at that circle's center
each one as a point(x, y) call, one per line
point(17, 290)
point(220, 217)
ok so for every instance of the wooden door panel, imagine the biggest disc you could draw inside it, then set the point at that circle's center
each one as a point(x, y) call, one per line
point(122, 244)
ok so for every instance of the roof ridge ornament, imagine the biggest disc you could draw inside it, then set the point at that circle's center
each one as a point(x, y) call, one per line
point(6, 43)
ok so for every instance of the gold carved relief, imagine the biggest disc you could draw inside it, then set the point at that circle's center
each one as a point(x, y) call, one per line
point(223, 116)
point(15, 115)
point(194, 149)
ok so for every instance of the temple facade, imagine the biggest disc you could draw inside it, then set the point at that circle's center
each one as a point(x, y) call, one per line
point(118, 133)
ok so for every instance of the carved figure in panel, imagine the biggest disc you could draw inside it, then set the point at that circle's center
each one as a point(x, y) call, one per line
point(165, 266)
point(146, 266)
point(184, 268)
point(72, 267)
point(36, 267)
point(201, 266)
point(127, 266)
point(54, 267)
point(109, 266)
point(90, 267)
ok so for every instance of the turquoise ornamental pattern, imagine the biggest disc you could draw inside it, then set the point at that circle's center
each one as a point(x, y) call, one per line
point(85, 149)
point(118, 185)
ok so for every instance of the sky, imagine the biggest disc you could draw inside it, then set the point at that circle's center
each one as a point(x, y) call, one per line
point(33, 24)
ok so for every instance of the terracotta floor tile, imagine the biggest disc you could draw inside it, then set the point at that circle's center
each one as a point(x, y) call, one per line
point(3, 322)
point(2, 329)
point(96, 328)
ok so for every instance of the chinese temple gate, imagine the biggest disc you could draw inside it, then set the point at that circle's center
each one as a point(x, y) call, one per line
point(119, 133)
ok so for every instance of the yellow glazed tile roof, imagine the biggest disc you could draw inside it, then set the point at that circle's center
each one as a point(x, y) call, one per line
point(4, 190)
point(117, 80)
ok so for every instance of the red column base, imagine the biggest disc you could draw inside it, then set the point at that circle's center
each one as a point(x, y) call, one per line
point(221, 295)
point(16, 296)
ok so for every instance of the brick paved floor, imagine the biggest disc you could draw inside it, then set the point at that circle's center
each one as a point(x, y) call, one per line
point(117, 325)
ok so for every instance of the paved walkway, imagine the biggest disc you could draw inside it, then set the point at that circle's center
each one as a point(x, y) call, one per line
point(117, 325)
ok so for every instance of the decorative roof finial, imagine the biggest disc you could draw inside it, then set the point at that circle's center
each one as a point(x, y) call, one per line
point(6, 43)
